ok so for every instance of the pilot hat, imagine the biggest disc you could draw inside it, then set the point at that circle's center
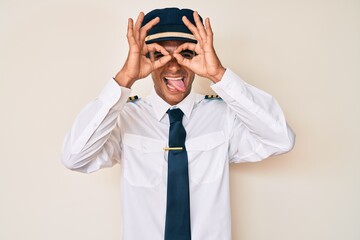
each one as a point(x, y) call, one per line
point(171, 26)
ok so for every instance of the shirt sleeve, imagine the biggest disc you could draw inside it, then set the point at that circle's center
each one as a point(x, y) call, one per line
point(93, 141)
point(260, 129)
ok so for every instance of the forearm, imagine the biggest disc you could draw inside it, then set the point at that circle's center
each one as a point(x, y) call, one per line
point(93, 140)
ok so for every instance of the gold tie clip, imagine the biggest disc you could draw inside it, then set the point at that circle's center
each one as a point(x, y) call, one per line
point(173, 148)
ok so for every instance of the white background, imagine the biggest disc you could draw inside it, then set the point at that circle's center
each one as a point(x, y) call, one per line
point(55, 56)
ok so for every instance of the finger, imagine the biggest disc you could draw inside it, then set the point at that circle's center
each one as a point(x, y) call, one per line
point(130, 32)
point(144, 50)
point(161, 61)
point(146, 28)
point(185, 46)
point(199, 25)
point(209, 31)
point(191, 27)
point(179, 58)
point(138, 26)
point(157, 47)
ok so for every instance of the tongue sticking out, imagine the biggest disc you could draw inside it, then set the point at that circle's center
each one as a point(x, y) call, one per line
point(178, 84)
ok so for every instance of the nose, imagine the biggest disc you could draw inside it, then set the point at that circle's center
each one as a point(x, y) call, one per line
point(173, 64)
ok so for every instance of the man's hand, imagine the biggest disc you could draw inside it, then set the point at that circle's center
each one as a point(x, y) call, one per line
point(205, 63)
point(137, 65)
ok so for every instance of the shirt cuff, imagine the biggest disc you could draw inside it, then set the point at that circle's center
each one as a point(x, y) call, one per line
point(113, 93)
point(229, 86)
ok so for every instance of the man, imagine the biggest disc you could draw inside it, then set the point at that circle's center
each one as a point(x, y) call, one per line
point(175, 146)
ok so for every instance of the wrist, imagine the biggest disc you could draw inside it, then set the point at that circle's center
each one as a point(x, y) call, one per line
point(124, 80)
point(218, 76)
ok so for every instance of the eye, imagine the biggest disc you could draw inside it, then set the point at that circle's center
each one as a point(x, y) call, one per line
point(188, 54)
point(156, 56)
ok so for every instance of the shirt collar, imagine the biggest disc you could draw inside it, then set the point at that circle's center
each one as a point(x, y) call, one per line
point(160, 106)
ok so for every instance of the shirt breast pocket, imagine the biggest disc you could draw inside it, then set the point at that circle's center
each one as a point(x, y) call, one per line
point(207, 155)
point(143, 160)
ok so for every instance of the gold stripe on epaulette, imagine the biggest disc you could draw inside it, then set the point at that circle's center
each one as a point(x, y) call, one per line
point(133, 98)
point(212, 97)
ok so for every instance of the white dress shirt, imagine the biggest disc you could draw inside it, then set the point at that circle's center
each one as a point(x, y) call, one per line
point(246, 125)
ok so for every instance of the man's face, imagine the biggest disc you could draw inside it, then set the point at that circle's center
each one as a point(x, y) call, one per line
point(172, 82)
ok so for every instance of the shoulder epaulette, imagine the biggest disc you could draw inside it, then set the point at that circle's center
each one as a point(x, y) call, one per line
point(212, 97)
point(133, 98)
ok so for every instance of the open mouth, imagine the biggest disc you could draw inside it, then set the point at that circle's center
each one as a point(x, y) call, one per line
point(175, 83)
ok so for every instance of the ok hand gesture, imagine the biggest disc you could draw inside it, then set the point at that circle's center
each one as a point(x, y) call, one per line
point(137, 65)
point(205, 63)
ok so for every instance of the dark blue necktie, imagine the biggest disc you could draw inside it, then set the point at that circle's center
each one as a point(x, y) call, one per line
point(177, 225)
